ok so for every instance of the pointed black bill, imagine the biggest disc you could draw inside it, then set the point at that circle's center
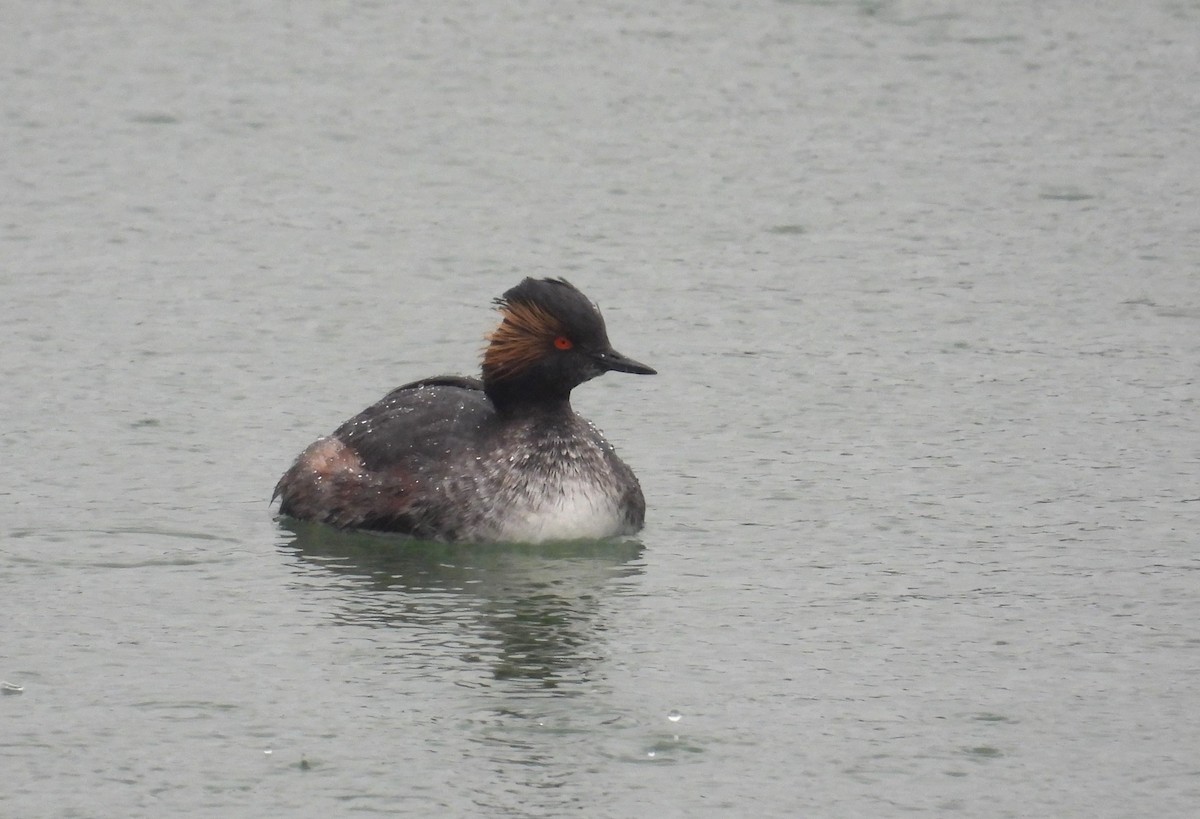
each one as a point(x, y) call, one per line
point(610, 359)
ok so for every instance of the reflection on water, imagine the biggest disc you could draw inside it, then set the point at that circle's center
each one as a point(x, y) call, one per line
point(528, 610)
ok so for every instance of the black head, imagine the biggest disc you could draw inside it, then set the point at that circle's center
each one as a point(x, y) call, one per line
point(550, 340)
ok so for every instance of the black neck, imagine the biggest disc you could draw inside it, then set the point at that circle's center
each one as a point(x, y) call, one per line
point(523, 396)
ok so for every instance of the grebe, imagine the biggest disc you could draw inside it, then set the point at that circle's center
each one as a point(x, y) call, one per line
point(501, 458)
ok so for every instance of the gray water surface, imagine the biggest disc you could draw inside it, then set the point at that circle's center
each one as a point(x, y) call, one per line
point(922, 281)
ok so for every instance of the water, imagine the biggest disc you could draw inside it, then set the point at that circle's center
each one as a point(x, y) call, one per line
point(921, 281)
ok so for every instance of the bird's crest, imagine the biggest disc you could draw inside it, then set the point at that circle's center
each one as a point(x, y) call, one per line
point(523, 336)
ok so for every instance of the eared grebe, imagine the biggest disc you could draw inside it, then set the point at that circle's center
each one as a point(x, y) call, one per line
point(504, 458)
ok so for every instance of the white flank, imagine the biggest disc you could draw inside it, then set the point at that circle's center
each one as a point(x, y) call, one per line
point(579, 512)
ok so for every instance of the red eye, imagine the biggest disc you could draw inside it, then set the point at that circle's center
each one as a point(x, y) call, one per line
point(563, 343)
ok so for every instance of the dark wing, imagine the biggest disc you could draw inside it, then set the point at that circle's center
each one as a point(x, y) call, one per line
point(381, 469)
point(411, 428)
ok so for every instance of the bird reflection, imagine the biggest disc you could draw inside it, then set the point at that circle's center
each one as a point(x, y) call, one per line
point(529, 610)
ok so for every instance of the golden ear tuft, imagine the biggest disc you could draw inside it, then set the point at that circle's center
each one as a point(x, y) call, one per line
point(520, 339)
